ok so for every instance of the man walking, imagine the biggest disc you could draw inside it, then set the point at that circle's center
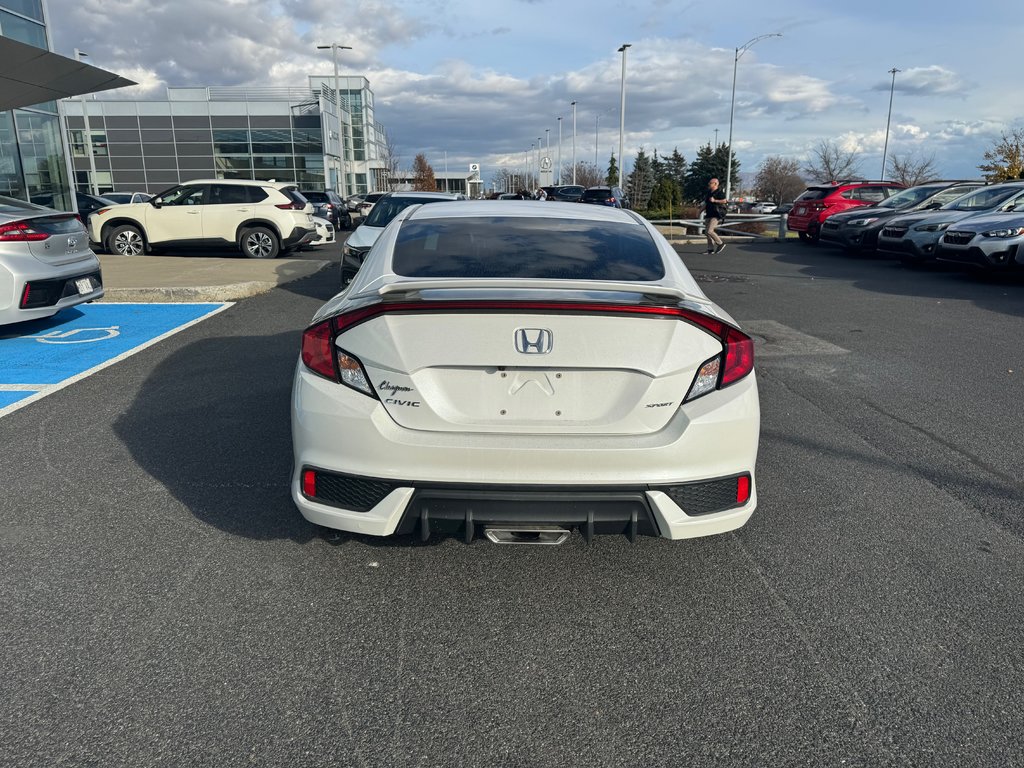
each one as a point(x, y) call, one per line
point(714, 214)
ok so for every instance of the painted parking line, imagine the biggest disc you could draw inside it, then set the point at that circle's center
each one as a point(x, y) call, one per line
point(40, 357)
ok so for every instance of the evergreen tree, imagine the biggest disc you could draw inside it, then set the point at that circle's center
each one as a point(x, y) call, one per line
point(641, 181)
point(709, 164)
point(613, 172)
point(675, 168)
point(665, 195)
point(657, 167)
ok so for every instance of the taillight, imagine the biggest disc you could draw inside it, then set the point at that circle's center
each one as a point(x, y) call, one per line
point(290, 206)
point(20, 232)
point(318, 350)
point(322, 356)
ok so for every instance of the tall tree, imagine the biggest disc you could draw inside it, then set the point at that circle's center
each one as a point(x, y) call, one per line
point(675, 167)
point(912, 170)
point(587, 174)
point(390, 159)
point(1005, 160)
point(665, 195)
point(778, 180)
point(710, 163)
point(640, 181)
point(830, 162)
point(423, 175)
point(612, 177)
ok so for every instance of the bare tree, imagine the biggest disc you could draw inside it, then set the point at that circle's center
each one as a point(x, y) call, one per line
point(423, 175)
point(391, 160)
point(830, 162)
point(587, 174)
point(911, 170)
point(778, 180)
point(1005, 158)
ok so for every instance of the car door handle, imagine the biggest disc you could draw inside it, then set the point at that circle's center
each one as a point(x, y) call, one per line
point(192, 213)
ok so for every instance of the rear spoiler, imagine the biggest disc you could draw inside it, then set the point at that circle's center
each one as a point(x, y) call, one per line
point(407, 287)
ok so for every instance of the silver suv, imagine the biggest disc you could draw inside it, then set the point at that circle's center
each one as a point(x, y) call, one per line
point(260, 218)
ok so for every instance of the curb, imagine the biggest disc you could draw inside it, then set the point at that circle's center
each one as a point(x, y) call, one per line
point(186, 295)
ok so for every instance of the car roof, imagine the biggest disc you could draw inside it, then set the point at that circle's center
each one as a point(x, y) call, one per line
point(520, 208)
point(432, 196)
point(244, 182)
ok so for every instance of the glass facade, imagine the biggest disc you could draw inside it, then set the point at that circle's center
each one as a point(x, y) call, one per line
point(229, 133)
point(32, 158)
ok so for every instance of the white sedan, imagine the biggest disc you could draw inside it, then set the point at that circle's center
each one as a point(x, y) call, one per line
point(517, 372)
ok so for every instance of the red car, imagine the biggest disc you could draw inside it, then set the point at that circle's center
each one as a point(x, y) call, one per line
point(819, 202)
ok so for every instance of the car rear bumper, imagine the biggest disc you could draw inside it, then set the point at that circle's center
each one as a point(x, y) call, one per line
point(48, 292)
point(352, 436)
point(299, 236)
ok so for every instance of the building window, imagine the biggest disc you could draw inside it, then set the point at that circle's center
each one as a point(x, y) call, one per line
point(22, 30)
point(99, 143)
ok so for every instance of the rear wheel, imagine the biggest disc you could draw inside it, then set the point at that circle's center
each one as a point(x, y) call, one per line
point(259, 243)
point(126, 240)
point(808, 237)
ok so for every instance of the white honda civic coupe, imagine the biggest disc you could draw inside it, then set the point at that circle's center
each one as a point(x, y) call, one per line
point(518, 371)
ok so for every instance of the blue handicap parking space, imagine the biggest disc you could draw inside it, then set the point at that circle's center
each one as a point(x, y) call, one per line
point(42, 355)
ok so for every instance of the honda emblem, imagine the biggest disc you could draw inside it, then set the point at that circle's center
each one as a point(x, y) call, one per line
point(533, 341)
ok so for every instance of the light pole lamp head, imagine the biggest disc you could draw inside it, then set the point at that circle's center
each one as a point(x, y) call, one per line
point(625, 46)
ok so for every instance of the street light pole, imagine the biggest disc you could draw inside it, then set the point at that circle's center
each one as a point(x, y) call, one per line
point(885, 149)
point(538, 162)
point(622, 107)
point(573, 104)
point(732, 109)
point(559, 150)
point(341, 131)
point(547, 142)
point(93, 185)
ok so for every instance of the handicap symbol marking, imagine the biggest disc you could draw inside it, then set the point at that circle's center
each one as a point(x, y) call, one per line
point(64, 337)
point(41, 356)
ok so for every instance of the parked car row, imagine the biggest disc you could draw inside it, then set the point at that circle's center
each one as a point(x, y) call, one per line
point(971, 223)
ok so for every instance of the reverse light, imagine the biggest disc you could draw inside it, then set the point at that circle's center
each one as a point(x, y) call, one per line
point(20, 232)
point(1008, 232)
point(352, 373)
point(706, 379)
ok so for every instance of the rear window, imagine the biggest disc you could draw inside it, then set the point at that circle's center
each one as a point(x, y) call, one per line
point(511, 247)
point(983, 199)
point(385, 209)
point(814, 194)
point(596, 194)
point(316, 197)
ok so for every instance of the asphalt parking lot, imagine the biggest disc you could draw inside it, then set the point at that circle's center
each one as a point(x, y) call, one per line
point(43, 356)
point(166, 605)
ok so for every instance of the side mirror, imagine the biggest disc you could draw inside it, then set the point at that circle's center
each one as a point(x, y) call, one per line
point(156, 202)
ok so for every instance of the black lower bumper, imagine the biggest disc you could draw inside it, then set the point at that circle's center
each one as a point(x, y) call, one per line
point(47, 293)
point(465, 509)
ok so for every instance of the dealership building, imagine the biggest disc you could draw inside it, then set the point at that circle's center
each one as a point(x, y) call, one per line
point(33, 160)
point(271, 133)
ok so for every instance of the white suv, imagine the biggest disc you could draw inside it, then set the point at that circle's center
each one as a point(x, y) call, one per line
point(260, 218)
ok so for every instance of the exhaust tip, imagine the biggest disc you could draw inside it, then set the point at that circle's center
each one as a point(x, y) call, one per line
point(527, 534)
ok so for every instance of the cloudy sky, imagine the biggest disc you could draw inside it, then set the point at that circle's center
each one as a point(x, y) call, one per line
point(483, 79)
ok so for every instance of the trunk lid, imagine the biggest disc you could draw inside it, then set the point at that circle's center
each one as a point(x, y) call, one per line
point(520, 372)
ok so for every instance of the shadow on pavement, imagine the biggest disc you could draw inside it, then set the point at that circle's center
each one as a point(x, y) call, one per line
point(211, 423)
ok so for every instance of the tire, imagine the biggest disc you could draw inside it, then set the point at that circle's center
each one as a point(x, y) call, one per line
point(259, 243)
point(347, 273)
point(126, 240)
point(808, 237)
point(345, 221)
